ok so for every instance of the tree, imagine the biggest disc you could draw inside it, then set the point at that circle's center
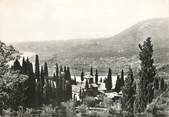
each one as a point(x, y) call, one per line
point(122, 78)
point(37, 71)
point(6, 55)
point(61, 69)
point(68, 75)
point(42, 76)
point(128, 92)
point(109, 80)
point(96, 77)
point(87, 85)
point(24, 66)
point(68, 84)
point(162, 85)
point(146, 76)
point(27, 66)
point(91, 71)
point(118, 84)
point(82, 76)
point(46, 69)
point(68, 91)
point(39, 93)
point(12, 91)
point(156, 83)
point(101, 79)
point(17, 65)
point(80, 93)
point(30, 84)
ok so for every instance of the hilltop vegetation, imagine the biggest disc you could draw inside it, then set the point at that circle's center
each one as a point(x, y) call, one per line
point(116, 52)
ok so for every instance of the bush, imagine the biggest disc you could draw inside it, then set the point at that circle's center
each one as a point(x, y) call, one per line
point(107, 101)
point(82, 109)
point(48, 111)
point(89, 101)
point(24, 113)
point(12, 90)
point(68, 109)
point(97, 114)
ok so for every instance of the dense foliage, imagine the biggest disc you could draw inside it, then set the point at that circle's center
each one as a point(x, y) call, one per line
point(109, 80)
point(147, 73)
point(21, 85)
point(128, 92)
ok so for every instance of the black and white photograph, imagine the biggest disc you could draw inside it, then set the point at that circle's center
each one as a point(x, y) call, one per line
point(84, 58)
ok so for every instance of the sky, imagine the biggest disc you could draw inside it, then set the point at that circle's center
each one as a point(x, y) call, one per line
point(42, 20)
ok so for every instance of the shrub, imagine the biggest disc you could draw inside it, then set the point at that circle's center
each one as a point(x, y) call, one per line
point(82, 109)
point(108, 101)
point(97, 114)
point(68, 109)
point(89, 101)
point(48, 111)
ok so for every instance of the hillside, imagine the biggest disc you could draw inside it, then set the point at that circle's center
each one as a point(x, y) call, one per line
point(116, 52)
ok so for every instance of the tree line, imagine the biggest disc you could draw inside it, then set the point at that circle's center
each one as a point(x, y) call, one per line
point(138, 90)
point(42, 88)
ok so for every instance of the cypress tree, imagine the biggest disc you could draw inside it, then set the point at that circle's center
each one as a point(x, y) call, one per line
point(87, 85)
point(128, 92)
point(27, 66)
point(46, 69)
point(47, 91)
point(37, 71)
point(109, 80)
point(68, 84)
point(68, 91)
point(96, 77)
point(118, 84)
point(100, 80)
point(57, 71)
point(146, 76)
point(122, 78)
point(75, 82)
point(68, 74)
point(42, 76)
point(156, 83)
point(24, 66)
point(82, 76)
point(61, 86)
point(39, 93)
point(91, 71)
point(30, 85)
point(80, 93)
point(57, 81)
point(162, 84)
point(17, 65)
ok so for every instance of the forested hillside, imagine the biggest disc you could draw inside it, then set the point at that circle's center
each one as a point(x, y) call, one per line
point(116, 52)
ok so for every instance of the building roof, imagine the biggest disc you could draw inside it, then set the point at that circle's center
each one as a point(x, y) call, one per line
point(112, 94)
point(94, 85)
point(88, 76)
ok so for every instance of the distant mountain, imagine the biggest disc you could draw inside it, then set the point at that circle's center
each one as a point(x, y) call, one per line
point(116, 52)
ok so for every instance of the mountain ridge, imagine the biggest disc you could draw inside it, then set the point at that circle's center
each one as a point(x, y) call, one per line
point(118, 51)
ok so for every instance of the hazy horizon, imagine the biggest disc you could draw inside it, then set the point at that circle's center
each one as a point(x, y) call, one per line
point(42, 20)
